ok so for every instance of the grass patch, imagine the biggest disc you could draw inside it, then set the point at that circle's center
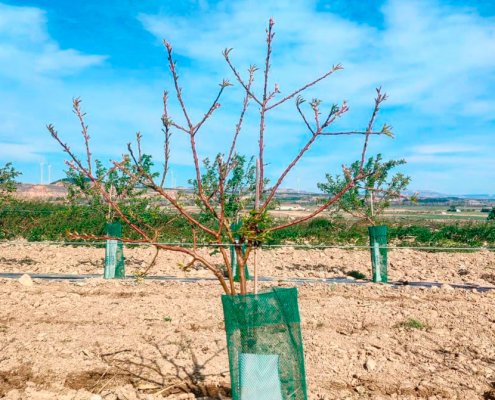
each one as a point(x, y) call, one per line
point(412, 323)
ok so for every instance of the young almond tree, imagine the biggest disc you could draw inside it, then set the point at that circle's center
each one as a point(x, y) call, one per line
point(369, 197)
point(224, 189)
point(8, 184)
point(127, 193)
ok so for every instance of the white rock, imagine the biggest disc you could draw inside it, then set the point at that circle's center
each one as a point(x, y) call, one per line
point(25, 280)
point(370, 364)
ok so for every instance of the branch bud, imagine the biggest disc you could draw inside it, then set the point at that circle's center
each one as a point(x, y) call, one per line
point(167, 45)
point(226, 52)
point(387, 131)
point(225, 83)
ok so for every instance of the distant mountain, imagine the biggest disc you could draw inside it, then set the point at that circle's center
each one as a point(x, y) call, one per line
point(430, 194)
point(477, 196)
point(426, 194)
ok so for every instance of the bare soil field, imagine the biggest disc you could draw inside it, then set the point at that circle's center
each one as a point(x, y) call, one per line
point(152, 340)
point(405, 265)
point(133, 339)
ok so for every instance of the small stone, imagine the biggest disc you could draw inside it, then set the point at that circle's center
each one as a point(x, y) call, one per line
point(13, 395)
point(360, 389)
point(25, 280)
point(96, 397)
point(370, 364)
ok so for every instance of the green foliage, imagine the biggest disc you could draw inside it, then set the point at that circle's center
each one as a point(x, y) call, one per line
point(375, 185)
point(445, 235)
point(491, 215)
point(8, 183)
point(320, 231)
point(123, 189)
point(254, 226)
point(319, 223)
point(412, 323)
point(37, 221)
point(52, 221)
point(237, 192)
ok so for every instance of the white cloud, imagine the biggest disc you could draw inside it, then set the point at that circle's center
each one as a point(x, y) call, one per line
point(23, 24)
point(29, 55)
point(19, 152)
point(433, 58)
point(436, 62)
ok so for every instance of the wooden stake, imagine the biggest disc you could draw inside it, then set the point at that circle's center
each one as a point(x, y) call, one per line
point(256, 207)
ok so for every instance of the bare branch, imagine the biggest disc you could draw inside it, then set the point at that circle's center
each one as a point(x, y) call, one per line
point(306, 147)
point(238, 126)
point(76, 105)
point(316, 212)
point(300, 101)
point(226, 54)
point(175, 77)
point(380, 98)
point(269, 38)
point(315, 104)
point(168, 134)
point(158, 189)
point(295, 93)
point(225, 83)
point(76, 161)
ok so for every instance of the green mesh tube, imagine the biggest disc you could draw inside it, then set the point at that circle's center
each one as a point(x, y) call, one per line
point(265, 346)
point(114, 253)
point(378, 248)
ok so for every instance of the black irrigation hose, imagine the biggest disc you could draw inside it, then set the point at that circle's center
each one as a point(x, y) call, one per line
point(297, 281)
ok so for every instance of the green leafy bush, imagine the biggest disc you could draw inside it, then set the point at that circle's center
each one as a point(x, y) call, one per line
point(35, 220)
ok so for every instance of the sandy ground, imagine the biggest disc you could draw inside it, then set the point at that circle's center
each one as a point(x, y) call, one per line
point(152, 340)
point(409, 265)
point(131, 339)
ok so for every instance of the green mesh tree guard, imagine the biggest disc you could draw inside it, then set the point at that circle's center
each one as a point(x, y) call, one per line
point(233, 255)
point(114, 253)
point(265, 346)
point(378, 247)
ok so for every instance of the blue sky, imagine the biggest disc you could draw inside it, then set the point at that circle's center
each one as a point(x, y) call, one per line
point(435, 59)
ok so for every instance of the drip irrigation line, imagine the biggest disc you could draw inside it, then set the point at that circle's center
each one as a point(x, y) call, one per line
point(297, 281)
point(296, 246)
